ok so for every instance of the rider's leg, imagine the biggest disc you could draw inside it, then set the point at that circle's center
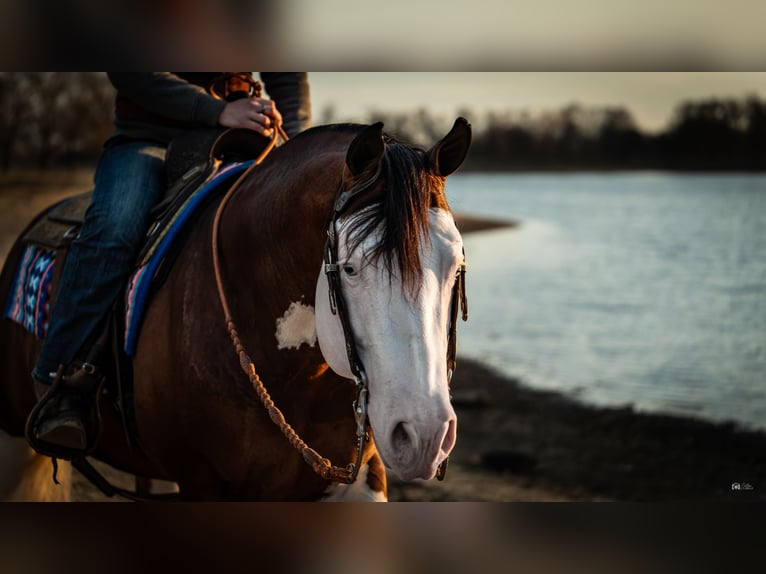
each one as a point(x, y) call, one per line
point(129, 181)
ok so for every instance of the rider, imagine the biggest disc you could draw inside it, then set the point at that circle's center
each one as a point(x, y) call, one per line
point(151, 109)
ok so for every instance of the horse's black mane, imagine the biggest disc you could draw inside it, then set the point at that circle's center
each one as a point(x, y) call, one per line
point(402, 212)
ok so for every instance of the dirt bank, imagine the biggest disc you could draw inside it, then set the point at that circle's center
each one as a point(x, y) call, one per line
point(515, 443)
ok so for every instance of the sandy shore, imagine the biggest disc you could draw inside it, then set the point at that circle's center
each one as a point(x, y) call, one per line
point(519, 444)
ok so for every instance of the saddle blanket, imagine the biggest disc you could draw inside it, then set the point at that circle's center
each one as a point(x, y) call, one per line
point(29, 300)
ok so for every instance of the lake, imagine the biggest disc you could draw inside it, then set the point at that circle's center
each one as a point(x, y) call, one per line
point(639, 288)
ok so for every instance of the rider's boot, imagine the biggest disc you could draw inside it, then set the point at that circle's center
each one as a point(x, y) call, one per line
point(65, 422)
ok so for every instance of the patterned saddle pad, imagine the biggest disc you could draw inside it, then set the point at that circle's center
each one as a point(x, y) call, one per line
point(29, 301)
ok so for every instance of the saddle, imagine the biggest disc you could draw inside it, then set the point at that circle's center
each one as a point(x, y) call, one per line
point(199, 166)
point(191, 159)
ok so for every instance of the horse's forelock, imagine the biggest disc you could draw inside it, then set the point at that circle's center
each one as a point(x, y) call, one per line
point(402, 212)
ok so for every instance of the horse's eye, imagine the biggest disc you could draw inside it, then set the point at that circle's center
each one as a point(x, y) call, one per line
point(349, 270)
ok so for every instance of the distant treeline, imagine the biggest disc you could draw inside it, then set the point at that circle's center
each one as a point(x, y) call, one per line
point(52, 119)
point(62, 119)
point(712, 134)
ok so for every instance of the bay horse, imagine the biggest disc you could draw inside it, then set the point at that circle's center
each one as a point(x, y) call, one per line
point(374, 302)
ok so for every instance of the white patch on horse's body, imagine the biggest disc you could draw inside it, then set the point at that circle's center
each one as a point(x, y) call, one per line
point(359, 491)
point(296, 327)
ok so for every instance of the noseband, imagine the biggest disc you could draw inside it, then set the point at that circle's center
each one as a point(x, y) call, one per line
point(323, 466)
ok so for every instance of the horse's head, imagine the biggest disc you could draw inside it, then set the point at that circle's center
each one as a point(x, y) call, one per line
point(399, 255)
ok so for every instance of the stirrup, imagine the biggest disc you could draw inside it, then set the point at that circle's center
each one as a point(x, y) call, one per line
point(66, 422)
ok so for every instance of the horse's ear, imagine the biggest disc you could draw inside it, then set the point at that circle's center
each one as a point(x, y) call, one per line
point(449, 152)
point(366, 149)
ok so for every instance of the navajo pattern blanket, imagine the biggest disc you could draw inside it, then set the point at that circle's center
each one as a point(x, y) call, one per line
point(30, 297)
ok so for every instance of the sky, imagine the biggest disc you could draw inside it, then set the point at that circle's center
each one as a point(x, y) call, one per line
point(525, 34)
point(650, 96)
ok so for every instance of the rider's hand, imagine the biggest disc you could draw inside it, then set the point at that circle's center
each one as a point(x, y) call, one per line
point(257, 114)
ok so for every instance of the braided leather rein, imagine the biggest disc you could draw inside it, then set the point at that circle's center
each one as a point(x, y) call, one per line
point(319, 464)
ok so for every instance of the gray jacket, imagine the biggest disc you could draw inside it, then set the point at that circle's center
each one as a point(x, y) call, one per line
point(159, 105)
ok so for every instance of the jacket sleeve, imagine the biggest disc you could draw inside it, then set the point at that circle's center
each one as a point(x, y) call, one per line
point(170, 96)
point(290, 91)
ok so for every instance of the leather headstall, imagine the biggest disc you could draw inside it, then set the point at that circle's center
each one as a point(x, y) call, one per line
point(338, 307)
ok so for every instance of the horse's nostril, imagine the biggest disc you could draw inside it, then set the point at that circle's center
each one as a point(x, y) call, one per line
point(449, 438)
point(400, 437)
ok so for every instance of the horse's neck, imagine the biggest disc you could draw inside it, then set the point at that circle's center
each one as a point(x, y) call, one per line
point(272, 239)
point(287, 210)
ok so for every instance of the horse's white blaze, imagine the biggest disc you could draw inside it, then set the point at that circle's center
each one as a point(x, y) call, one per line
point(402, 341)
point(359, 491)
point(296, 327)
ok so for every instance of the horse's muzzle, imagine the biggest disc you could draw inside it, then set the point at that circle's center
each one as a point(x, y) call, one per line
point(418, 452)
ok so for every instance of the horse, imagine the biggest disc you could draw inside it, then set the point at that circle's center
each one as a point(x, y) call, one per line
point(329, 274)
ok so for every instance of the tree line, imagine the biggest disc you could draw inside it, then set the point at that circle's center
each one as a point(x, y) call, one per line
point(55, 119)
point(52, 119)
point(710, 134)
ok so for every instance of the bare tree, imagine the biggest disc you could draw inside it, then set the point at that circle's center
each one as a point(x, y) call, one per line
point(15, 112)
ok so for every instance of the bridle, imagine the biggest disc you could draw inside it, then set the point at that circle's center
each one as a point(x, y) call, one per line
point(459, 298)
point(323, 466)
point(338, 307)
point(332, 269)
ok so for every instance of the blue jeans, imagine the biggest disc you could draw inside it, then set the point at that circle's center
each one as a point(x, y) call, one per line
point(129, 181)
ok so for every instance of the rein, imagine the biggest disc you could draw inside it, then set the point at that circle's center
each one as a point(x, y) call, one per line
point(321, 466)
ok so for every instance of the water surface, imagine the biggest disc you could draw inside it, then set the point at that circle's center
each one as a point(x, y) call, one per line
point(646, 289)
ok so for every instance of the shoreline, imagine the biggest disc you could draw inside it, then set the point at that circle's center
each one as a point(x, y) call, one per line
point(516, 443)
point(472, 223)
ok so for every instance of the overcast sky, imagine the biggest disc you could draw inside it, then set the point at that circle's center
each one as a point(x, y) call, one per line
point(651, 96)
